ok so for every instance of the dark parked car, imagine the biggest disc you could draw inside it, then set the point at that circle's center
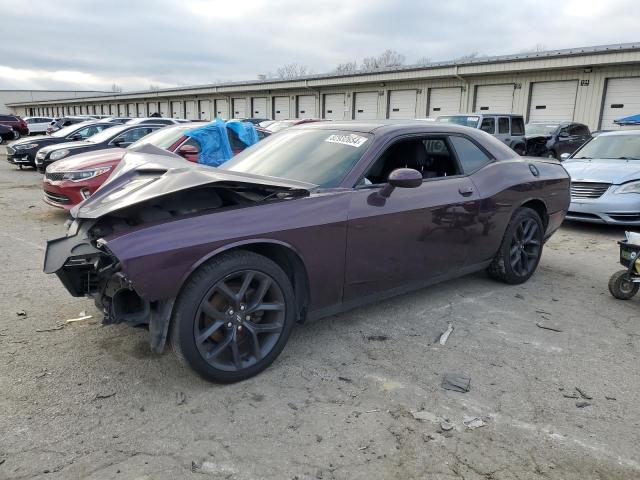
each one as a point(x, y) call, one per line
point(564, 137)
point(117, 136)
point(18, 124)
point(23, 152)
point(309, 222)
point(6, 134)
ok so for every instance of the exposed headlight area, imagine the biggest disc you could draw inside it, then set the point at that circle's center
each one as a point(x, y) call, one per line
point(78, 175)
point(631, 187)
point(24, 146)
point(58, 154)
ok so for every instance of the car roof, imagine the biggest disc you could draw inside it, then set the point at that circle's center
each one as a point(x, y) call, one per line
point(617, 133)
point(482, 114)
point(385, 126)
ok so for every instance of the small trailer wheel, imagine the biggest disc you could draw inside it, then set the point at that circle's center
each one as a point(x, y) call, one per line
point(621, 286)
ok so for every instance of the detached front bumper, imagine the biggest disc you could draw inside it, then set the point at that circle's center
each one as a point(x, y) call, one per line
point(611, 208)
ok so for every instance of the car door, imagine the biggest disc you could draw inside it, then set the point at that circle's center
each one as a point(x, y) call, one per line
point(503, 132)
point(579, 134)
point(416, 235)
point(565, 142)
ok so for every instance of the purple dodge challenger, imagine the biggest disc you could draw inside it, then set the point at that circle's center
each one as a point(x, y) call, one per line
point(309, 222)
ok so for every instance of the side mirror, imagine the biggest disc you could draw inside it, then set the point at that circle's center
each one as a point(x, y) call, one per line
point(563, 135)
point(188, 151)
point(564, 156)
point(401, 178)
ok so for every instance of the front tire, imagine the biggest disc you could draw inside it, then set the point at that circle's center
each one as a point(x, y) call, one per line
point(520, 250)
point(621, 286)
point(233, 317)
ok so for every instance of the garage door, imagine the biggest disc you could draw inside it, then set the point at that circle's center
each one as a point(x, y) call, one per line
point(222, 108)
point(164, 109)
point(494, 98)
point(553, 101)
point(334, 106)
point(306, 106)
point(444, 101)
point(622, 98)
point(176, 109)
point(239, 108)
point(365, 105)
point(152, 107)
point(281, 108)
point(141, 110)
point(190, 110)
point(204, 107)
point(259, 107)
point(402, 103)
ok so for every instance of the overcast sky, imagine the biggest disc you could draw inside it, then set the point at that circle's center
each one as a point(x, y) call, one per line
point(89, 44)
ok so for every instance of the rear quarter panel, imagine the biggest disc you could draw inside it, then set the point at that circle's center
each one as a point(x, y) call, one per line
point(506, 185)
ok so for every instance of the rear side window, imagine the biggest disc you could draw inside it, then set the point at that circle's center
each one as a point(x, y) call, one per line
point(488, 125)
point(471, 157)
point(7, 118)
point(503, 125)
point(579, 130)
point(517, 126)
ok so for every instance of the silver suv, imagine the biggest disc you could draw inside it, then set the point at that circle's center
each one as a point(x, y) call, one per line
point(506, 127)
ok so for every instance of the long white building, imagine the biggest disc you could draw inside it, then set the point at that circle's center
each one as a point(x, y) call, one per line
point(26, 96)
point(592, 85)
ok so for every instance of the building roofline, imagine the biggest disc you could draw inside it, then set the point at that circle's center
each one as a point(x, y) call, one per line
point(562, 53)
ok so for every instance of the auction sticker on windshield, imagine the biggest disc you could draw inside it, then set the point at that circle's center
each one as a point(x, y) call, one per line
point(347, 139)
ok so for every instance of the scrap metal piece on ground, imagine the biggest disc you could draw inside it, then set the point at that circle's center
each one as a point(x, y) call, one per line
point(583, 394)
point(539, 325)
point(582, 404)
point(456, 383)
point(446, 333)
point(473, 422)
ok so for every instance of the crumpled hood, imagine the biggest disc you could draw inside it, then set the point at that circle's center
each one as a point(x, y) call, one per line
point(150, 172)
point(83, 161)
point(606, 171)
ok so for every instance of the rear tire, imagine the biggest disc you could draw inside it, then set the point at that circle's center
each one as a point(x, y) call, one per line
point(208, 334)
point(621, 286)
point(520, 250)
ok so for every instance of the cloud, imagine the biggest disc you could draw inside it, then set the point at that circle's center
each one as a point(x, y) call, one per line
point(93, 44)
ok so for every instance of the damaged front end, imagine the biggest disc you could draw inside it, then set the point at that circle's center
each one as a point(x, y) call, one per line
point(148, 188)
point(86, 267)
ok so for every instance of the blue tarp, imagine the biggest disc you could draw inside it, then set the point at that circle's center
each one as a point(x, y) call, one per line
point(213, 138)
point(245, 130)
point(214, 143)
point(628, 120)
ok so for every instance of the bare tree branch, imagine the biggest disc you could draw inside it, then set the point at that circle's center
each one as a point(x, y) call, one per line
point(388, 58)
point(346, 67)
point(292, 70)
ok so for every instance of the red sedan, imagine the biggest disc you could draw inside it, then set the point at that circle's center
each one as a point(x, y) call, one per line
point(68, 182)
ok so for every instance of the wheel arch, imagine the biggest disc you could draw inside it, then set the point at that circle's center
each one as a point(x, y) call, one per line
point(285, 255)
point(540, 207)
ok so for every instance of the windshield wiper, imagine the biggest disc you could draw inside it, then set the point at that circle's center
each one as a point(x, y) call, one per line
point(583, 158)
point(625, 158)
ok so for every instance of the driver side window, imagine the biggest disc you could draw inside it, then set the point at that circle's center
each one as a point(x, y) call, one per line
point(431, 156)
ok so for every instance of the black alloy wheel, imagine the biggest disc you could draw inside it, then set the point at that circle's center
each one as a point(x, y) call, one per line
point(525, 247)
point(521, 248)
point(233, 317)
point(239, 320)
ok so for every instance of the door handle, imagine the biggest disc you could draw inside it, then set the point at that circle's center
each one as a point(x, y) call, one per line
point(465, 191)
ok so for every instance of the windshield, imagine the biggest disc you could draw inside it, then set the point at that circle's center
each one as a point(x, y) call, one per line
point(464, 120)
point(163, 138)
point(106, 134)
point(63, 132)
point(277, 126)
point(539, 128)
point(626, 147)
point(322, 157)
